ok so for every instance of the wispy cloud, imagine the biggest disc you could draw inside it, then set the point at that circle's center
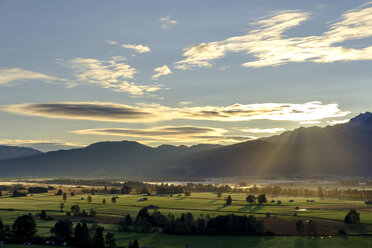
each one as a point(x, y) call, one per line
point(111, 42)
point(83, 111)
point(192, 134)
point(42, 145)
point(259, 130)
point(112, 74)
point(336, 122)
point(167, 22)
point(137, 48)
point(149, 113)
point(268, 44)
point(161, 71)
point(310, 122)
point(11, 75)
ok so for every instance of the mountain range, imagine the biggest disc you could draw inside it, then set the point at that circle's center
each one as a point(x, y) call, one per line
point(8, 152)
point(343, 149)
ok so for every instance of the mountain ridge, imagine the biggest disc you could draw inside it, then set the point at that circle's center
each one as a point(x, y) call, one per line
point(342, 149)
point(9, 152)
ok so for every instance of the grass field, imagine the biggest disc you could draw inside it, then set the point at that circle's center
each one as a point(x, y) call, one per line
point(174, 241)
point(327, 213)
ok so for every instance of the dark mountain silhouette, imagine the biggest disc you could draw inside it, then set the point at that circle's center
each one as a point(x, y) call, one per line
point(344, 149)
point(8, 152)
point(125, 158)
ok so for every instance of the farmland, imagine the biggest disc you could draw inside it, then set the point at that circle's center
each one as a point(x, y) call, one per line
point(327, 213)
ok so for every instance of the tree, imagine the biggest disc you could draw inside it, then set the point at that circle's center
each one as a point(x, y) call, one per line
point(113, 199)
point(125, 190)
point(17, 193)
point(43, 215)
point(89, 198)
point(133, 244)
point(93, 212)
point(300, 226)
point(63, 228)
point(320, 192)
point(262, 199)
point(187, 193)
point(64, 197)
point(1, 229)
point(24, 227)
point(110, 240)
point(81, 233)
point(61, 207)
point(98, 240)
point(251, 199)
point(352, 217)
point(59, 192)
point(75, 210)
point(219, 194)
point(104, 201)
point(229, 200)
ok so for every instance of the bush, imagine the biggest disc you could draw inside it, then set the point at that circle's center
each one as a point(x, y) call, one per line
point(341, 232)
point(36, 190)
point(352, 217)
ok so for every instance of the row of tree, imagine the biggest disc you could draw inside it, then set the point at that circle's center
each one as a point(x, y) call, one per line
point(308, 192)
point(186, 224)
point(24, 230)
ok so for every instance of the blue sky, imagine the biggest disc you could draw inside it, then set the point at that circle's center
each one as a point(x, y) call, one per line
point(179, 72)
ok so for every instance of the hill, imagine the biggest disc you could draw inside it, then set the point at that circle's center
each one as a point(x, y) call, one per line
point(8, 152)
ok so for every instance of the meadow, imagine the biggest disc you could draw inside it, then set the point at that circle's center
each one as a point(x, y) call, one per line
point(327, 213)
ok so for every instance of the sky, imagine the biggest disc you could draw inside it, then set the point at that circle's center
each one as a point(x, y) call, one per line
point(74, 73)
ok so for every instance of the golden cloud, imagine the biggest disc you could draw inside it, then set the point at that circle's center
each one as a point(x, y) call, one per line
point(270, 47)
point(17, 74)
point(137, 48)
point(150, 113)
point(266, 130)
point(112, 74)
point(161, 71)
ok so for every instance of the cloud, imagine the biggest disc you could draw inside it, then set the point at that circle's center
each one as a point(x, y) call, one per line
point(259, 130)
point(185, 103)
point(111, 42)
point(310, 122)
point(336, 122)
point(269, 46)
point(137, 48)
point(161, 71)
point(167, 23)
point(17, 75)
point(150, 113)
point(112, 74)
point(94, 111)
point(42, 145)
point(192, 134)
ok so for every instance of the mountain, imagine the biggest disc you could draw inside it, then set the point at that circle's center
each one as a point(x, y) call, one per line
point(343, 149)
point(8, 152)
point(125, 158)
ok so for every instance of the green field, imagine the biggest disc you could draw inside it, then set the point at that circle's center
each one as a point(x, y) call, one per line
point(328, 213)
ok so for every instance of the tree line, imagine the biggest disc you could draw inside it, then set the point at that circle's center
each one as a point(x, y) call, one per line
point(24, 229)
point(187, 224)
